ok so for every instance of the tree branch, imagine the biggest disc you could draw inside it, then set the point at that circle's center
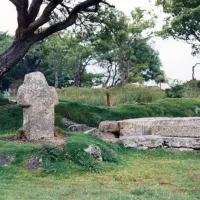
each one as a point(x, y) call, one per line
point(83, 6)
point(45, 17)
point(22, 16)
point(109, 5)
point(34, 10)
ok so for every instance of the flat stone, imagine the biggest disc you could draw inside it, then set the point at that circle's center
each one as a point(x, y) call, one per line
point(38, 100)
point(152, 141)
point(169, 127)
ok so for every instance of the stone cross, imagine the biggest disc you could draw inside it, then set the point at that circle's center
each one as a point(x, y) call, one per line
point(38, 100)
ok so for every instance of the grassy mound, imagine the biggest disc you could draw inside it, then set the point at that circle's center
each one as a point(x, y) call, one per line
point(55, 159)
point(76, 144)
point(11, 116)
point(92, 115)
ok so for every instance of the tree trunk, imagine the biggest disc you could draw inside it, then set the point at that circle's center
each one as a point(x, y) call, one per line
point(79, 75)
point(13, 55)
point(77, 80)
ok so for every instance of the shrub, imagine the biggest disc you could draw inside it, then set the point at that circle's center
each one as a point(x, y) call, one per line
point(176, 90)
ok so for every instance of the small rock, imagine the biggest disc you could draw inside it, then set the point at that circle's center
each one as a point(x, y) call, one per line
point(6, 160)
point(109, 127)
point(77, 128)
point(95, 151)
point(34, 163)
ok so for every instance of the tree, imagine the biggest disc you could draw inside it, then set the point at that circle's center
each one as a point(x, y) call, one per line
point(79, 56)
point(183, 21)
point(123, 50)
point(59, 14)
point(68, 56)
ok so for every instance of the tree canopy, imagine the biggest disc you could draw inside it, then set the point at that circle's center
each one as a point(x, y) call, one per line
point(182, 22)
point(36, 23)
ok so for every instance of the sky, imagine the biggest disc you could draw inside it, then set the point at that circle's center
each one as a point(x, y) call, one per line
point(175, 55)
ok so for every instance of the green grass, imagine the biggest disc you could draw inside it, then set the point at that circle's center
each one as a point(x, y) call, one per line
point(11, 116)
point(125, 174)
point(150, 174)
point(92, 115)
point(119, 95)
point(3, 100)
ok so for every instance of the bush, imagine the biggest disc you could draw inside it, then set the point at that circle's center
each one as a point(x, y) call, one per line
point(176, 90)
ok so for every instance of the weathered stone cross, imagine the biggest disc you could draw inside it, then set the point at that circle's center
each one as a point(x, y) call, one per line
point(38, 100)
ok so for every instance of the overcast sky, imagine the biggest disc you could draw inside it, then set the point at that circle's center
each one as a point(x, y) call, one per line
point(175, 55)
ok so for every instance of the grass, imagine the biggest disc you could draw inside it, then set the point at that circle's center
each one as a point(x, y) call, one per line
point(11, 116)
point(125, 174)
point(150, 174)
point(3, 100)
point(92, 115)
point(119, 95)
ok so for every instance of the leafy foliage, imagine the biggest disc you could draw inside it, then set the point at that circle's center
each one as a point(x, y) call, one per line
point(177, 91)
point(124, 51)
point(183, 21)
